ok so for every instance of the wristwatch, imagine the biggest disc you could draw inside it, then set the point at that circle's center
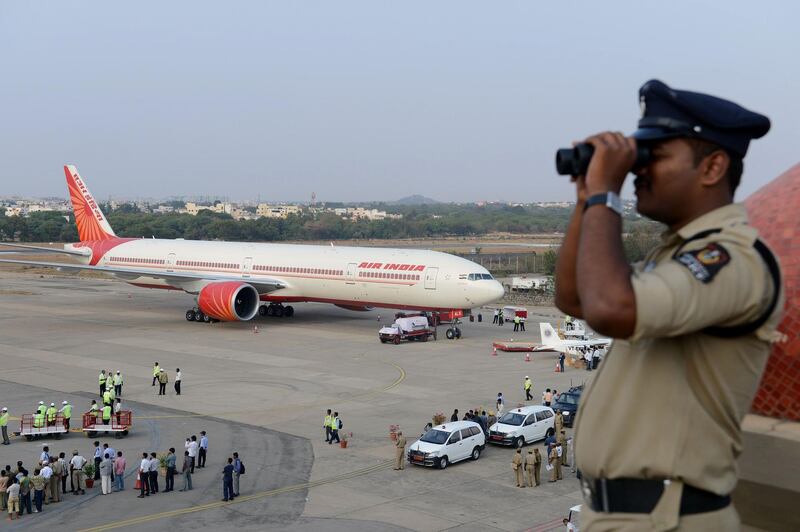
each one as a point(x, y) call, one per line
point(609, 199)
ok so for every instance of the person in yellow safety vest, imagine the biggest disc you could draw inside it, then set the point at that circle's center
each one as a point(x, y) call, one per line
point(4, 425)
point(51, 415)
point(102, 380)
point(107, 397)
point(327, 424)
point(93, 410)
point(106, 414)
point(38, 420)
point(528, 385)
point(110, 390)
point(66, 412)
point(156, 370)
point(42, 408)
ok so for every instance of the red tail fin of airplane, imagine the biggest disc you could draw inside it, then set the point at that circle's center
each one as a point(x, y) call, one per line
point(92, 224)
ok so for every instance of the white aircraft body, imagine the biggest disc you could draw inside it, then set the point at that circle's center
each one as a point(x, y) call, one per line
point(551, 341)
point(231, 279)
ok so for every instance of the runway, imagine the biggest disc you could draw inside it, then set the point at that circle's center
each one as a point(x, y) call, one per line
point(265, 395)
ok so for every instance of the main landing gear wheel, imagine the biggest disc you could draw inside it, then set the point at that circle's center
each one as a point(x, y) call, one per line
point(190, 315)
point(453, 333)
point(277, 310)
point(199, 316)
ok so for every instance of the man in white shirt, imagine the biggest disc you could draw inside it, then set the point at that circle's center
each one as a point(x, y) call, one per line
point(46, 473)
point(201, 459)
point(178, 381)
point(76, 467)
point(144, 476)
point(45, 456)
point(154, 464)
point(191, 446)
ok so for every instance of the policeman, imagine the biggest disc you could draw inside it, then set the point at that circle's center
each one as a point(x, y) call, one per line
point(552, 461)
point(537, 465)
point(692, 323)
point(4, 425)
point(562, 441)
point(528, 384)
point(66, 412)
point(530, 463)
point(559, 422)
point(400, 451)
point(516, 465)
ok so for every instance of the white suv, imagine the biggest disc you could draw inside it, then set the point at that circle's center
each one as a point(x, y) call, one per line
point(448, 443)
point(523, 425)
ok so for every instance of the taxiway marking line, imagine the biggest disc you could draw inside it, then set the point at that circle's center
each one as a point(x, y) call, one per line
point(360, 395)
point(244, 498)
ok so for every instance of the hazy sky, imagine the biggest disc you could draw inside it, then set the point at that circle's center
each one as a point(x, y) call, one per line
point(371, 100)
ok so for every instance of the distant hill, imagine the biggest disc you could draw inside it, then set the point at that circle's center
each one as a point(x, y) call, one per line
point(416, 199)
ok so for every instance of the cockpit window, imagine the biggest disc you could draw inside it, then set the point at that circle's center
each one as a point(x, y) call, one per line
point(479, 276)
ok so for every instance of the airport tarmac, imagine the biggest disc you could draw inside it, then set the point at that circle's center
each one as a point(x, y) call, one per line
point(264, 394)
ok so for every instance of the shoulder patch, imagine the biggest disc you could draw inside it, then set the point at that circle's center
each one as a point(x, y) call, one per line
point(705, 263)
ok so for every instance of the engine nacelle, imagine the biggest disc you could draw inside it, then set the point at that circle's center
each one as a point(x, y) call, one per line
point(228, 301)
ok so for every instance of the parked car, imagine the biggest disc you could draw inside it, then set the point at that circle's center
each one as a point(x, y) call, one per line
point(523, 425)
point(448, 443)
point(568, 404)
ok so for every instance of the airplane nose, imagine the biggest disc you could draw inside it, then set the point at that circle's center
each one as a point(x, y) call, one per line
point(496, 291)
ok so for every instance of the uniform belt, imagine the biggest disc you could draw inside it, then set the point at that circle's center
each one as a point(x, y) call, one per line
point(640, 496)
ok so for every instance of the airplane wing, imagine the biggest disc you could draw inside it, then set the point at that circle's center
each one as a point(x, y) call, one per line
point(86, 252)
point(190, 282)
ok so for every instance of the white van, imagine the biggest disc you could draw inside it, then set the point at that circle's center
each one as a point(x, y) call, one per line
point(523, 425)
point(448, 443)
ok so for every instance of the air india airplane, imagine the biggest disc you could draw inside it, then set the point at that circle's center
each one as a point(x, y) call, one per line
point(230, 280)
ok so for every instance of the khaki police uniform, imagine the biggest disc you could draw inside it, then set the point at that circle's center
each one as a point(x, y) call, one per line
point(400, 452)
point(559, 422)
point(516, 465)
point(562, 439)
point(552, 460)
point(537, 466)
point(677, 393)
point(529, 467)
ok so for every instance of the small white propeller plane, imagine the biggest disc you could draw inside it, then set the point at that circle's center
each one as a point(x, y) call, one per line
point(551, 341)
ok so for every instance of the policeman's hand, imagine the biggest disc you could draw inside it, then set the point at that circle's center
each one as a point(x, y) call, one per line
point(614, 155)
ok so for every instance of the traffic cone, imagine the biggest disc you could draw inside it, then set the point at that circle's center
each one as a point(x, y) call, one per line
point(558, 368)
point(138, 484)
point(255, 329)
point(527, 357)
point(494, 351)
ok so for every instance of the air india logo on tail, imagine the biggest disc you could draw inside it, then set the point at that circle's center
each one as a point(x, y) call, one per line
point(92, 224)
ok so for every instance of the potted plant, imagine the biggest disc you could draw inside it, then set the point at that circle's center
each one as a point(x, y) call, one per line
point(89, 470)
point(162, 465)
point(393, 432)
point(345, 437)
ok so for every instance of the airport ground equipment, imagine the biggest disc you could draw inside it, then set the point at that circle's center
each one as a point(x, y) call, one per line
point(119, 425)
point(514, 347)
point(31, 432)
point(408, 329)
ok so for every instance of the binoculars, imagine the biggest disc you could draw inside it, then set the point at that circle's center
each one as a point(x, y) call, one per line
point(575, 161)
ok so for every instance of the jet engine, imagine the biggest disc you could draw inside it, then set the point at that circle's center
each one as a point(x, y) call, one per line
point(228, 301)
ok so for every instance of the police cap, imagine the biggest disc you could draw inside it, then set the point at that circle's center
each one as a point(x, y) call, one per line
point(670, 113)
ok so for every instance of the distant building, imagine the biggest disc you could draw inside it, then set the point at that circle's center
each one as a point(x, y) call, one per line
point(264, 210)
